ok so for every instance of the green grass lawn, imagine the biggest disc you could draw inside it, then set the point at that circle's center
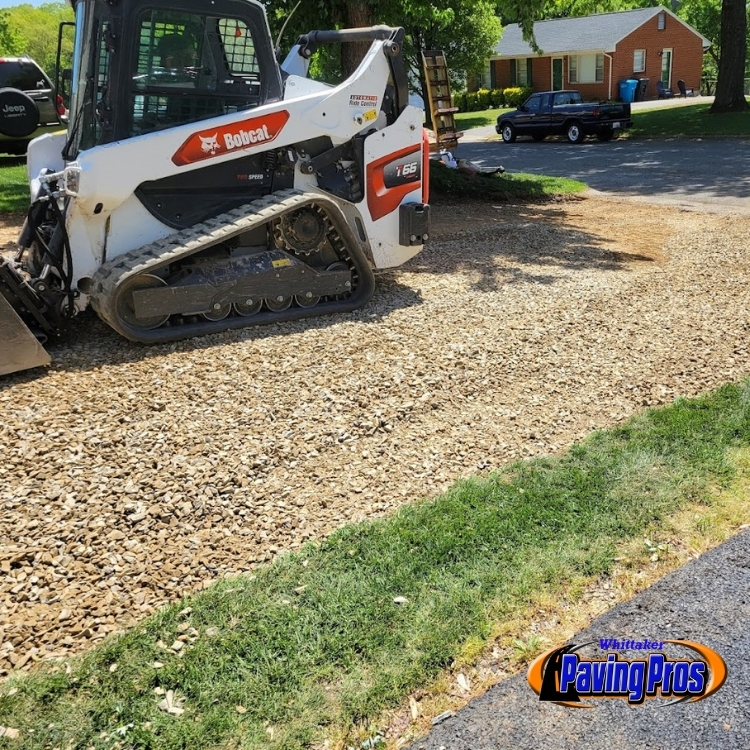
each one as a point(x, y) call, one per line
point(323, 640)
point(690, 121)
point(468, 120)
point(14, 185)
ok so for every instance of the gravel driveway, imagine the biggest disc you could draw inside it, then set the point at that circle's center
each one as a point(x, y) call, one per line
point(132, 475)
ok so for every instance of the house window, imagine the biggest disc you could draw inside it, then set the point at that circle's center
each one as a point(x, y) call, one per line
point(661, 22)
point(586, 68)
point(520, 72)
point(639, 61)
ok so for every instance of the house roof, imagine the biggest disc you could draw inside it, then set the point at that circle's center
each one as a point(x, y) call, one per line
point(599, 32)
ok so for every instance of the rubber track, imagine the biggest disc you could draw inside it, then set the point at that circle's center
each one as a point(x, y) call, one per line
point(212, 232)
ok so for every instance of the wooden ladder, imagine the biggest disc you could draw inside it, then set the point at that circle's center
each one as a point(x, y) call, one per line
point(441, 106)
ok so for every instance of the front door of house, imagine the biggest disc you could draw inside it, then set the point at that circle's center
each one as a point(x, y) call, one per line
point(666, 67)
point(557, 73)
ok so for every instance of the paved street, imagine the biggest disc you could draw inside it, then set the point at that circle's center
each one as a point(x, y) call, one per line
point(679, 606)
point(709, 175)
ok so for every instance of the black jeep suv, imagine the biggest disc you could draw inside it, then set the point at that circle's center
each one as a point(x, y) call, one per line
point(29, 105)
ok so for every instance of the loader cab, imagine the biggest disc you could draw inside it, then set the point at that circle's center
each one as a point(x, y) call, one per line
point(141, 67)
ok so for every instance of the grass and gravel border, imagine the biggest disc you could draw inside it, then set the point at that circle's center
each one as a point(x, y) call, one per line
point(322, 641)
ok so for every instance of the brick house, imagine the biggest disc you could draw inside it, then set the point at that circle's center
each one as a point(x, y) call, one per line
point(593, 53)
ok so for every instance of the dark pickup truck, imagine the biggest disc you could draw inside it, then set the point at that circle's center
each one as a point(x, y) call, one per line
point(563, 113)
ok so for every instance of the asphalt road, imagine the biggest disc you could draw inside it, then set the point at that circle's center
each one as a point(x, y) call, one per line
point(707, 601)
point(710, 175)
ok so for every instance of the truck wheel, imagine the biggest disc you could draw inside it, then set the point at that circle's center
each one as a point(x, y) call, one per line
point(574, 132)
point(508, 132)
point(605, 135)
point(538, 137)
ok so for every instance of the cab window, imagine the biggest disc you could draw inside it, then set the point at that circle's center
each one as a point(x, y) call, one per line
point(191, 67)
point(533, 104)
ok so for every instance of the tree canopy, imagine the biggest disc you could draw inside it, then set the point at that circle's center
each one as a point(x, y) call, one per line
point(466, 30)
point(26, 30)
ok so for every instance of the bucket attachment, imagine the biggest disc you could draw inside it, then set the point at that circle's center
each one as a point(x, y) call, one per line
point(19, 348)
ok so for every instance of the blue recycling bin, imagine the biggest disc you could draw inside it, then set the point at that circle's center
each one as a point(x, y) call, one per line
point(627, 90)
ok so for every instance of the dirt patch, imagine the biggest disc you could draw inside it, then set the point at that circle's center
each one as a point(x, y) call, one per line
point(10, 226)
point(638, 232)
point(132, 475)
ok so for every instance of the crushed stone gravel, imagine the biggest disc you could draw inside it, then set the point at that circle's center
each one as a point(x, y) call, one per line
point(131, 476)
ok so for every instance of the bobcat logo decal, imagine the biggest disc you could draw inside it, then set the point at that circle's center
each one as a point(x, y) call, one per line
point(252, 133)
point(210, 145)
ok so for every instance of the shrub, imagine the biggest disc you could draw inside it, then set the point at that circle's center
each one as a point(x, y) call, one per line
point(483, 98)
point(512, 96)
point(496, 98)
point(472, 101)
point(516, 96)
point(459, 100)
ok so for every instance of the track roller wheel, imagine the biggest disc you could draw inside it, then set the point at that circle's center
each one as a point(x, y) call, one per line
point(219, 312)
point(339, 265)
point(126, 309)
point(278, 304)
point(248, 307)
point(306, 300)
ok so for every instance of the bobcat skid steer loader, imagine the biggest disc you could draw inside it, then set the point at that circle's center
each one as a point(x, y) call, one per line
point(201, 186)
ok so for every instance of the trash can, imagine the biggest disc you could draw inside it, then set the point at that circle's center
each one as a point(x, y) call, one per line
point(640, 92)
point(627, 90)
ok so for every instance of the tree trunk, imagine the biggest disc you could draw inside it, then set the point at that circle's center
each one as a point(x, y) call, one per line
point(358, 14)
point(730, 87)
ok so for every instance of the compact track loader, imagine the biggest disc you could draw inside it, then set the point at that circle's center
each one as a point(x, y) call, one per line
point(201, 186)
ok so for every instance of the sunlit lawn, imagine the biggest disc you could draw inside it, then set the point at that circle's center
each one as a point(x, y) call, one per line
point(694, 120)
point(14, 186)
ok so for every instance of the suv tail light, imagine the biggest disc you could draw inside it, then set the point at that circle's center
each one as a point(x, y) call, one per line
point(60, 106)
